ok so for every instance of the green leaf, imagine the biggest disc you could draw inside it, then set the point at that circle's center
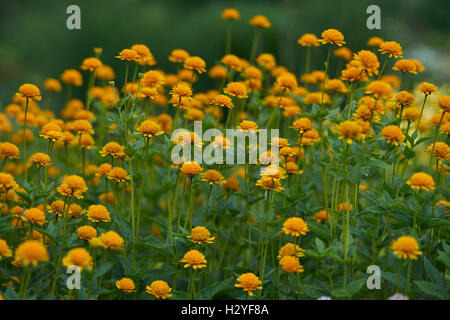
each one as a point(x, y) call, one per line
point(103, 269)
point(431, 271)
point(356, 285)
point(432, 289)
point(209, 292)
point(10, 294)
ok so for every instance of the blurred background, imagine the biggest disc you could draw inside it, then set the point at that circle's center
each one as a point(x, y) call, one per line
point(35, 43)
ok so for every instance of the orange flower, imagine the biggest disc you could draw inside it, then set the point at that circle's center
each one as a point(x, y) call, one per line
point(230, 14)
point(128, 55)
point(308, 40)
point(91, 64)
point(392, 48)
point(421, 181)
point(260, 21)
point(30, 92)
point(332, 36)
point(118, 174)
point(195, 63)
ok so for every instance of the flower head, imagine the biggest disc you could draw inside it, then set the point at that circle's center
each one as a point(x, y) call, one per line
point(149, 128)
point(191, 168)
point(128, 55)
point(34, 216)
point(86, 232)
point(332, 36)
point(91, 64)
point(118, 174)
point(249, 282)
point(160, 289)
point(126, 285)
point(31, 252)
point(349, 131)
point(78, 257)
point(109, 240)
point(291, 264)
point(295, 226)
point(201, 235)
point(321, 216)
point(379, 89)
point(98, 213)
point(444, 103)
point(194, 259)
point(73, 186)
point(195, 63)
point(421, 181)
point(230, 14)
point(260, 21)
point(393, 134)
point(178, 55)
point(236, 89)
point(4, 249)
point(9, 150)
point(427, 88)
point(114, 150)
point(308, 40)
point(212, 176)
point(40, 159)
point(392, 48)
point(290, 249)
point(441, 151)
point(406, 247)
point(405, 65)
point(269, 183)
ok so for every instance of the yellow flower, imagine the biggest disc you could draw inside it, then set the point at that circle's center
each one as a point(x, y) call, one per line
point(30, 92)
point(191, 168)
point(266, 60)
point(31, 252)
point(160, 289)
point(405, 65)
point(290, 249)
point(269, 183)
point(57, 207)
point(201, 235)
point(178, 55)
point(332, 36)
point(149, 128)
point(249, 282)
point(230, 14)
point(91, 64)
point(369, 61)
point(427, 88)
point(34, 216)
point(212, 176)
point(303, 125)
point(375, 41)
point(4, 249)
point(73, 186)
point(236, 89)
point(114, 150)
point(181, 90)
point(406, 247)
point(72, 77)
point(392, 48)
point(78, 257)
point(98, 213)
point(9, 150)
point(393, 134)
point(260, 21)
point(223, 101)
point(248, 126)
point(349, 131)
point(411, 114)
point(153, 79)
point(86, 232)
point(232, 61)
point(444, 103)
point(126, 285)
point(291, 264)
point(217, 72)
point(379, 89)
point(194, 259)
point(118, 174)
point(52, 84)
point(308, 40)
point(128, 55)
point(7, 182)
point(39, 160)
point(344, 53)
point(231, 184)
point(287, 82)
point(51, 131)
point(195, 63)
point(82, 126)
point(322, 216)
point(421, 181)
point(109, 240)
point(343, 207)
point(295, 226)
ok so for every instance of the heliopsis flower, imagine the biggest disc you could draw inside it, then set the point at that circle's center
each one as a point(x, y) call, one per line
point(114, 150)
point(287, 82)
point(393, 134)
point(353, 74)
point(52, 84)
point(31, 252)
point(405, 65)
point(153, 79)
point(290, 249)
point(86, 232)
point(322, 216)
point(291, 264)
point(149, 128)
point(4, 249)
point(249, 282)
point(217, 72)
point(336, 85)
point(295, 226)
point(194, 259)
point(248, 126)
point(98, 213)
point(126, 285)
point(91, 64)
point(232, 61)
point(160, 289)
point(191, 168)
point(195, 63)
point(427, 88)
point(128, 55)
point(260, 21)
point(266, 60)
point(57, 207)
point(118, 174)
point(109, 240)
point(34, 216)
point(178, 55)
point(411, 114)
point(368, 60)
point(344, 53)
point(201, 235)
point(222, 100)
point(421, 181)
point(9, 150)
point(349, 131)
point(236, 89)
point(332, 36)
point(444, 103)
point(230, 14)
point(392, 48)
point(39, 160)
point(72, 77)
point(73, 186)
point(379, 89)
point(269, 183)
point(441, 151)
point(51, 131)
point(212, 176)
point(181, 90)
point(302, 125)
point(78, 257)
point(406, 247)
point(375, 41)
point(308, 40)
point(82, 126)
point(30, 92)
